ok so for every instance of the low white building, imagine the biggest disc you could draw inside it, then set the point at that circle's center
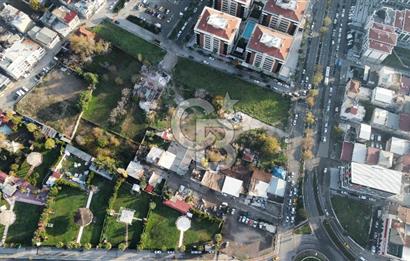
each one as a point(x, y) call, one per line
point(376, 177)
point(383, 97)
point(87, 8)
point(11, 15)
point(277, 187)
point(359, 153)
point(62, 20)
point(365, 132)
point(4, 81)
point(398, 146)
point(44, 36)
point(20, 57)
point(232, 186)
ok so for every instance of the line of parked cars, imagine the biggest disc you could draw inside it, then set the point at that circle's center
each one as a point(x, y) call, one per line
point(291, 200)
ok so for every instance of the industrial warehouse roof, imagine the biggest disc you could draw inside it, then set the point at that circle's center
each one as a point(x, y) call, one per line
point(376, 177)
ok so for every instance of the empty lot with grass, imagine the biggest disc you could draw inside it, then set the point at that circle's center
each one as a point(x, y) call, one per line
point(129, 43)
point(259, 103)
point(54, 101)
point(355, 216)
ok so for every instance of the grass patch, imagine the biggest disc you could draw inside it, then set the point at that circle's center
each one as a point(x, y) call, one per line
point(161, 221)
point(22, 230)
point(111, 67)
point(66, 204)
point(259, 103)
point(304, 229)
point(354, 216)
point(129, 43)
point(114, 231)
point(98, 206)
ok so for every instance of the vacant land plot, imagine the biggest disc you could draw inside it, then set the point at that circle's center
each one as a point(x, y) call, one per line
point(66, 204)
point(123, 152)
point(115, 231)
point(98, 207)
point(54, 101)
point(116, 70)
point(129, 43)
point(161, 221)
point(22, 230)
point(259, 103)
point(354, 216)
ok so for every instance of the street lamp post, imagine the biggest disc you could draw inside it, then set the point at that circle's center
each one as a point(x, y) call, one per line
point(38, 244)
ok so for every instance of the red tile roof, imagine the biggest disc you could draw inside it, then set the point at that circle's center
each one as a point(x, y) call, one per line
point(227, 32)
point(398, 20)
point(406, 22)
point(179, 205)
point(149, 188)
point(3, 177)
point(272, 7)
point(405, 161)
point(404, 122)
point(56, 174)
point(261, 175)
point(382, 37)
point(347, 151)
point(70, 16)
point(372, 156)
point(261, 38)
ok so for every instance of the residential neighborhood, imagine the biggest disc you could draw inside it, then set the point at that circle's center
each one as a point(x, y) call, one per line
point(204, 129)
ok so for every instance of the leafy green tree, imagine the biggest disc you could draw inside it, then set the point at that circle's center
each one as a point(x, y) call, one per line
point(152, 205)
point(50, 144)
point(91, 78)
point(35, 4)
point(327, 21)
point(122, 246)
point(87, 246)
point(31, 127)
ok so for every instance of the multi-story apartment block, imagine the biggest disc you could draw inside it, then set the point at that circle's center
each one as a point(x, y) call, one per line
point(238, 8)
point(379, 42)
point(284, 15)
point(268, 49)
point(216, 31)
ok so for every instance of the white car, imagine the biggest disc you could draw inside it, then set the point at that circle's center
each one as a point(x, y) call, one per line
point(205, 62)
point(324, 139)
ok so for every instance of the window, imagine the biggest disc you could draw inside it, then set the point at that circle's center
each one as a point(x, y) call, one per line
point(267, 64)
point(216, 45)
point(207, 42)
point(258, 60)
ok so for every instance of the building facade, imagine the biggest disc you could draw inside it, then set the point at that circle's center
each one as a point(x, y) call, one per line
point(284, 15)
point(267, 49)
point(216, 31)
point(238, 8)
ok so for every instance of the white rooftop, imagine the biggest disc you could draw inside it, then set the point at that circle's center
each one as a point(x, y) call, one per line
point(135, 170)
point(399, 146)
point(287, 4)
point(126, 216)
point(232, 186)
point(277, 187)
point(379, 116)
point(154, 154)
point(359, 153)
point(217, 21)
point(260, 189)
point(383, 95)
point(376, 177)
point(21, 21)
point(270, 40)
point(365, 131)
point(166, 160)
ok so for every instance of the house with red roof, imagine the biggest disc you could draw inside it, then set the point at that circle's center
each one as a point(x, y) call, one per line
point(238, 8)
point(177, 204)
point(216, 31)
point(66, 16)
point(284, 15)
point(379, 42)
point(268, 49)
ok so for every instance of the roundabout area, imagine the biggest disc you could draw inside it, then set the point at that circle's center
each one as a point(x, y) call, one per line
point(310, 255)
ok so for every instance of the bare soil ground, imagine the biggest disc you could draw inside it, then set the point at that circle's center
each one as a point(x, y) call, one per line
point(54, 101)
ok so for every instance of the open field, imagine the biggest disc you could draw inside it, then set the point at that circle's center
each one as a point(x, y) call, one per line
point(354, 216)
point(54, 101)
point(111, 67)
point(114, 231)
point(66, 204)
point(129, 43)
point(161, 221)
point(259, 103)
point(22, 230)
point(98, 207)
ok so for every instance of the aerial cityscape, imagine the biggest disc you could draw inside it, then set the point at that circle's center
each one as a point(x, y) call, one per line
point(205, 129)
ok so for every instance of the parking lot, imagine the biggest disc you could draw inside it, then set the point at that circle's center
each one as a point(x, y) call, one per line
point(245, 240)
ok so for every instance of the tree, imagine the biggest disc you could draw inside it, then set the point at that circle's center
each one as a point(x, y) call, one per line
point(218, 238)
point(85, 46)
point(182, 248)
point(107, 245)
point(318, 76)
point(60, 244)
point(2, 137)
point(152, 205)
point(122, 246)
point(35, 4)
point(323, 29)
point(310, 118)
point(307, 155)
point(310, 101)
point(31, 127)
point(122, 172)
point(91, 78)
point(143, 183)
point(87, 246)
point(84, 100)
point(327, 21)
point(50, 144)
